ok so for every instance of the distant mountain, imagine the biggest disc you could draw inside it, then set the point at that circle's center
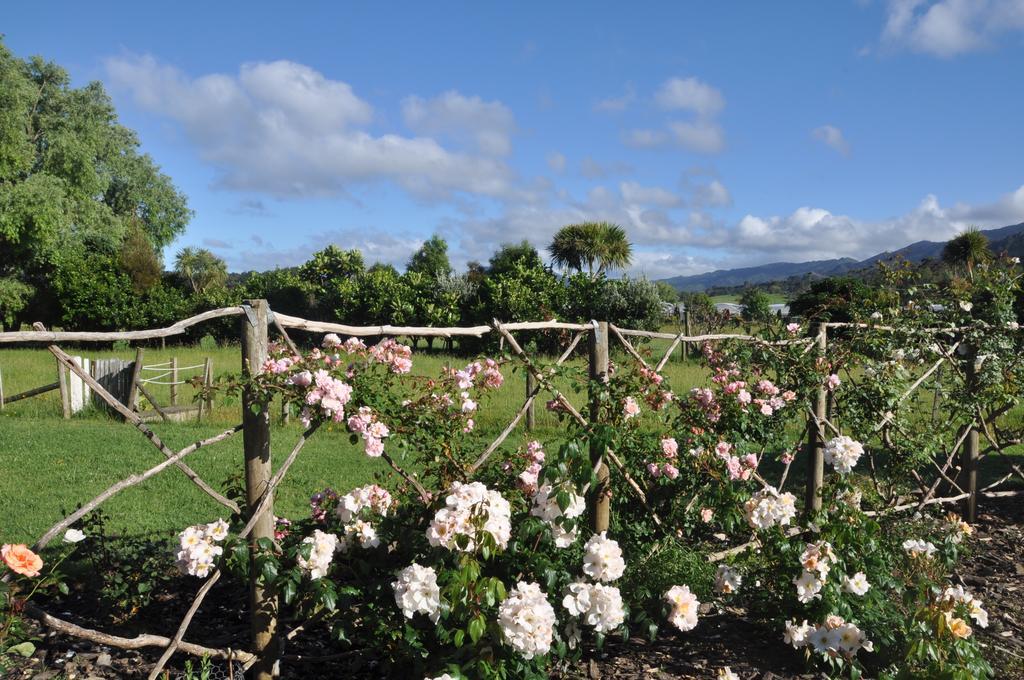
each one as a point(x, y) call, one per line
point(1010, 239)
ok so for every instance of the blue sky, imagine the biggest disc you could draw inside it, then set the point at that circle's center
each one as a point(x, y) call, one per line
point(717, 134)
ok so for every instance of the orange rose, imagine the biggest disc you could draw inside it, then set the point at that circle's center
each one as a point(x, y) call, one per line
point(959, 628)
point(21, 560)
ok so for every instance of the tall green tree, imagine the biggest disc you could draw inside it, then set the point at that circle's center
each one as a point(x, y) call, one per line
point(592, 246)
point(73, 185)
point(756, 305)
point(667, 293)
point(509, 255)
point(331, 278)
point(200, 269)
point(431, 259)
point(140, 261)
point(966, 250)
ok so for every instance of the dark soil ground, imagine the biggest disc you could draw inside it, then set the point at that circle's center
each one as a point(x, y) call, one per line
point(994, 573)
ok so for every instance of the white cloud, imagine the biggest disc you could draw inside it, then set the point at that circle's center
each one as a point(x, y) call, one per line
point(614, 104)
point(556, 162)
point(634, 193)
point(815, 233)
point(593, 169)
point(658, 264)
point(690, 94)
point(284, 129)
point(489, 124)
point(701, 134)
point(268, 254)
point(670, 240)
point(947, 28)
point(714, 194)
point(833, 137)
point(646, 139)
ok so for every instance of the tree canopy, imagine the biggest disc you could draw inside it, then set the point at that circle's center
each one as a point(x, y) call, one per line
point(431, 259)
point(967, 249)
point(594, 246)
point(509, 255)
point(73, 183)
point(201, 269)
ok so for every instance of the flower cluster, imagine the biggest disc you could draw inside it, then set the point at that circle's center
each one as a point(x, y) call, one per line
point(656, 397)
point(816, 560)
point(630, 408)
point(602, 560)
point(471, 511)
point(956, 604)
point(545, 506)
point(482, 374)
point(958, 528)
point(705, 398)
point(20, 559)
point(771, 398)
point(371, 497)
point(320, 556)
point(198, 548)
point(856, 584)
point(527, 620)
point(599, 605)
point(395, 355)
point(842, 453)
point(727, 580)
point(355, 509)
point(416, 591)
point(326, 393)
point(668, 468)
point(527, 480)
point(768, 508)
point(834, 637)
point(739, 467)
point(322, 503)
point(684, 607)
point(916, 547)
point(373, 431)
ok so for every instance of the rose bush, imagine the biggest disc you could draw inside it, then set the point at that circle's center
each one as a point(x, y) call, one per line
point(454, 569)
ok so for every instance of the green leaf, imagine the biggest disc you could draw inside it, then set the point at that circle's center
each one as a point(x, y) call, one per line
point(288, 591)
point(476, 628)
point(25, 649)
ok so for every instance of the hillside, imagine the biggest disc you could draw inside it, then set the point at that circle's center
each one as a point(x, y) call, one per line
point(1010, 239)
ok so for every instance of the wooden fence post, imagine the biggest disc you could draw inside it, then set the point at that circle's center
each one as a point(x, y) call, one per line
point(816, 436)
point(970, 453)
point(65, 395)
point(601, 495)
point(686, 329)
point(208, 382)
point(256, 440)
point(174, 379)
point(531, 385)
point(133, 389)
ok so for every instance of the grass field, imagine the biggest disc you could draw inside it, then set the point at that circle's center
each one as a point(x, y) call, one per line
point(49, 465)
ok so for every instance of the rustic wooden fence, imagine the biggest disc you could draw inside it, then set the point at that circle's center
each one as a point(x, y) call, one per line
point(261, 480)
